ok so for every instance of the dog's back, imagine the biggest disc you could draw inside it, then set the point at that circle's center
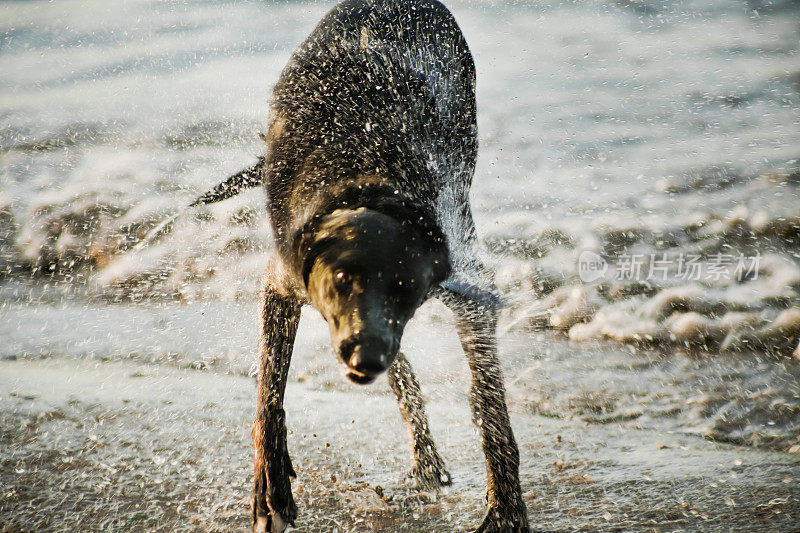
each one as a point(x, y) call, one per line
point(381, 95)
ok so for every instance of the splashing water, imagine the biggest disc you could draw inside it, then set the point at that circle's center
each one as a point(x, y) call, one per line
point(619, 128)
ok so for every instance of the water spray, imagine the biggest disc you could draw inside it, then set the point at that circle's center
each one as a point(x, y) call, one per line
point(233, 185)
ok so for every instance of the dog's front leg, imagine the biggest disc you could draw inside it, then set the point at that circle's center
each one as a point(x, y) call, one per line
point(273, 505)
point(428, 467)
point(477, 326)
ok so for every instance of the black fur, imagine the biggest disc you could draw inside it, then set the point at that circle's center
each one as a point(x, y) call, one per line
point(245, 179)
point(371, 150)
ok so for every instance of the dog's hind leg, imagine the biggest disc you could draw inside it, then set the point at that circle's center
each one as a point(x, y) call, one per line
point(476, 321)
point(428, 467)
point(273, 505)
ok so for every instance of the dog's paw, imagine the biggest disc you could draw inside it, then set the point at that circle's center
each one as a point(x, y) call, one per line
point(273, 503)
point(270, 524)
point(505, 519)
point(279, 518)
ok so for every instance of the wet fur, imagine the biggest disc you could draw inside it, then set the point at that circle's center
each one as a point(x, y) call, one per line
point(373, 134)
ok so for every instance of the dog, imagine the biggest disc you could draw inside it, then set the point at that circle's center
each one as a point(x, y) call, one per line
point(371, 149)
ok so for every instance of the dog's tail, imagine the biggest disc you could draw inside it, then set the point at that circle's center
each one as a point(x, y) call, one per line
point(233, 185)
point(245, 179)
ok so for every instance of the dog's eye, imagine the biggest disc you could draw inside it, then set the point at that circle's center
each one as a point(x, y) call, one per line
point(342, 280)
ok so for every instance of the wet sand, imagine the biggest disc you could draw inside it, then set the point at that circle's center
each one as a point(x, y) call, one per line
point(122, 446)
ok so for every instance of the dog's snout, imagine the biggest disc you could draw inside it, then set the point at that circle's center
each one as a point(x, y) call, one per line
point(368, 361)
point(366, 357)
point(346, 349)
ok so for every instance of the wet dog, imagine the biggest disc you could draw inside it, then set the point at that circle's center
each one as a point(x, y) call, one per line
point(371, 149)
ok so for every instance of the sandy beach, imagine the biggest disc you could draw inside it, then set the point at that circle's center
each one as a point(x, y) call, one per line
point(120, 445)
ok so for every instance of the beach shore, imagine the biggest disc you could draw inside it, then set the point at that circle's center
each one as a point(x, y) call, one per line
point(123, 446)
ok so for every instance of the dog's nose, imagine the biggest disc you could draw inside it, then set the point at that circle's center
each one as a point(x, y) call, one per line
point(368, 361)
point(366, 357)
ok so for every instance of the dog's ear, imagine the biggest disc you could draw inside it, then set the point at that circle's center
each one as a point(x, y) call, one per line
point(312, 249)
point(458, 292)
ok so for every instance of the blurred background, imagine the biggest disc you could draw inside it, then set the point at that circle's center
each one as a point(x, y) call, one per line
point(631, 130)
point(641, 119)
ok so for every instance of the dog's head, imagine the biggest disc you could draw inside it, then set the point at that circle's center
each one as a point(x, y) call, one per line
point(367, 273)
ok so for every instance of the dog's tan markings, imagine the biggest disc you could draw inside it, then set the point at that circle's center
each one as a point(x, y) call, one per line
point(277, 279)
point(363, 41)
point(276, 127)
